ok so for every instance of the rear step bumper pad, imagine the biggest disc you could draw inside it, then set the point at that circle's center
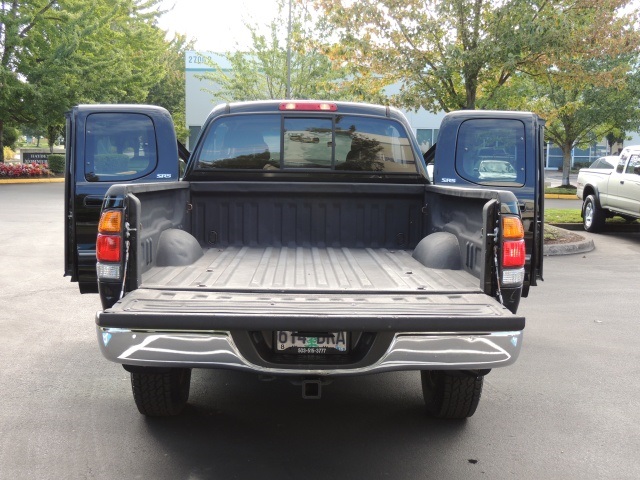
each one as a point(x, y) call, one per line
point(408, 351)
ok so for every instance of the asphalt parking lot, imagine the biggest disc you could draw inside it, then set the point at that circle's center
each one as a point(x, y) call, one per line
point(568, 409)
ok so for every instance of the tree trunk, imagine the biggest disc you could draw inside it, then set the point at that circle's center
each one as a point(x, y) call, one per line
point(566, 163)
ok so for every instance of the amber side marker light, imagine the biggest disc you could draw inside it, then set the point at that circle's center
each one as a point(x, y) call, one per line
point(512, 228)
point(110, 222)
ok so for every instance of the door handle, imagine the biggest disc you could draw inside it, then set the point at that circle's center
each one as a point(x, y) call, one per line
point(93, 201)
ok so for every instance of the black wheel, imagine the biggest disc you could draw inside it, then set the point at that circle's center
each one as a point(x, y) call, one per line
point(161, 393)
point(451, 394)
point(593, 216)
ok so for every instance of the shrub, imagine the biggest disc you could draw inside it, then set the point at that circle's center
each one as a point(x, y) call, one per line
point(56, 163)
point(10, 136)
point(8, 153)
point(22, 170)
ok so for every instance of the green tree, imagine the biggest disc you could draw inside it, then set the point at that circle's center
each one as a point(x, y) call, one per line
point(56, 53)
point(569, 60)
point(581, 113)
point(616, 135)
point(447, 54)
point(458, 54)
point(261, 72)
point(588, 83)
point(10, 137)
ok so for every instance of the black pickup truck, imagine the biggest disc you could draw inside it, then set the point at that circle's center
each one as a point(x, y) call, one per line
point(305, 239)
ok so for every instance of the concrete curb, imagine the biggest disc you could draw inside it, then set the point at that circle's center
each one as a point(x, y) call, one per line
point(31, 180)
point(557, 196)
point(583, 246)
point(609, 227)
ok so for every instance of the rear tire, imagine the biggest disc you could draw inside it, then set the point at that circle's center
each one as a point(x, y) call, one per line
point(593, 217)
point(451, 395)
point(161, 393)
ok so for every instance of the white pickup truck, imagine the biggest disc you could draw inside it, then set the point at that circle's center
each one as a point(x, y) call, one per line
point(606, 192)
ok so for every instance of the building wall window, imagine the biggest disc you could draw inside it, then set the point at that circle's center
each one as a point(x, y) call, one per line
point(579, 157)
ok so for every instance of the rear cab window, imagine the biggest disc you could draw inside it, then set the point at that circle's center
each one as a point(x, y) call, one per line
point(491, 152)
point(346, 143)
point(119, 147)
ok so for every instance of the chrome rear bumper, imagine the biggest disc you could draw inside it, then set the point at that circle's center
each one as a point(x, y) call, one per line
point(408, 351)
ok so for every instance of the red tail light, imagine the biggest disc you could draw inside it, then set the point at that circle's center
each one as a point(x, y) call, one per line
point(108, 248)
point(513, 254)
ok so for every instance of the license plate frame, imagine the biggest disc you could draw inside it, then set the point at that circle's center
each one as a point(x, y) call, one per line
point(311, 343)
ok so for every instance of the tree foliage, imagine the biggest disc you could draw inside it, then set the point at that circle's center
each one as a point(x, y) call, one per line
point(261, 72)
point(445, 54)
point(575, 62)
point(57, 53)
point(589, 85)
point(169, 89)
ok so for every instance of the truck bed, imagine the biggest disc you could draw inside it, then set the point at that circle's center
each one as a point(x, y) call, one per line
point(310, 269)
point(314, 256)
point(284, 288)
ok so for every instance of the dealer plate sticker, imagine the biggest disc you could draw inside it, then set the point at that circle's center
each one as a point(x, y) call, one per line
point(311, 344)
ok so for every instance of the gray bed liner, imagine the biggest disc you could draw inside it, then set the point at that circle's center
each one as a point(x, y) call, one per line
point(310, 269)
point(281, 288)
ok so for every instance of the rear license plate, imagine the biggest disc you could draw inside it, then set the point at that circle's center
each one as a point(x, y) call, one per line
point(311, 343)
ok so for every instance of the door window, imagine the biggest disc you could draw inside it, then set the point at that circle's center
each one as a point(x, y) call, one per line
point(633, 166)
point(491, 152)
point(119, 147)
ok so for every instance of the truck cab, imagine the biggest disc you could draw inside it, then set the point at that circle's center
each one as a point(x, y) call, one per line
point(606, 192)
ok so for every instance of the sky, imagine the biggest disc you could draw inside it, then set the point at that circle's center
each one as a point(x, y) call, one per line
point(215, 25)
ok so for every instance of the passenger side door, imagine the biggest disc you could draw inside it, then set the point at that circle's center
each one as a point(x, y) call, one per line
point(629, 186)
point(108, 144)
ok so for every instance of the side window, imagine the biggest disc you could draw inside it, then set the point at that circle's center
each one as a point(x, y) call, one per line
point(239, 142)
point(621, 163)
point(119, 147)
point(633, 166)
point(373, 145)
point(491, 152)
